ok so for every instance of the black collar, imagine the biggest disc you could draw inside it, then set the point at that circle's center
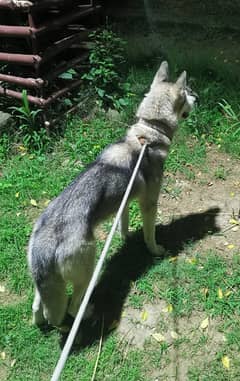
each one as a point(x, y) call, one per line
point(160, 126)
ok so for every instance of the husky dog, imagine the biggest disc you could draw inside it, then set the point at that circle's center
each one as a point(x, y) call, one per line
point(62, 246)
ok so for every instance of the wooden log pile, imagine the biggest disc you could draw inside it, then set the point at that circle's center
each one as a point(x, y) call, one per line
point(41, 40)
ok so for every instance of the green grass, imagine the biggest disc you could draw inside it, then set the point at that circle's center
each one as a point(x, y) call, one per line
point(175, 280)
point(189, 286)
point(31, 349)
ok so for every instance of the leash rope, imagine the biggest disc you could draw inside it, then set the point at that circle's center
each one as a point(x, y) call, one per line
point(70, 339)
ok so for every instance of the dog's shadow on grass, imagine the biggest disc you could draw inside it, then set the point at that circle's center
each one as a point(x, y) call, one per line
point(130, 263)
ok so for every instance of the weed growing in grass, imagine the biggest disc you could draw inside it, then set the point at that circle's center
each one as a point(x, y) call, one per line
point(232, 118)
point(32, 137)
point(216, 121)
point(228, 128)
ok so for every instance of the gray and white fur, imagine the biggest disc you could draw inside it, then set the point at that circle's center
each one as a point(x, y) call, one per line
point(62, 246)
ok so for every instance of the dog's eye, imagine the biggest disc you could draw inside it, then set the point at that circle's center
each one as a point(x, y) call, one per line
point(189, 91)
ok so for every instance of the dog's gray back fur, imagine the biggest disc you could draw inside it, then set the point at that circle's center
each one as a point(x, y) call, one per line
point(62, 247)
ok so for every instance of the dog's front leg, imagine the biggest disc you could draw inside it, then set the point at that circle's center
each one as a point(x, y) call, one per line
point(123, 223)
point(148, 205)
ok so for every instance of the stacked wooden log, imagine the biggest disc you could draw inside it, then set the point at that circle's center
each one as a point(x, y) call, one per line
point(41, 40)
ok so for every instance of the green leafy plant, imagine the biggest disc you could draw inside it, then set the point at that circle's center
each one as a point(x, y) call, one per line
point(23, 113)
point(33, 137)
point(107, 61)
point(225, 126)
point(4, 146)
point(69, 74)
point(232, 118)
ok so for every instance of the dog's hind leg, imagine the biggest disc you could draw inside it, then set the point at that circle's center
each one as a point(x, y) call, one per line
point(37, 308)
point(54, 299)
point(76, 299)
point(80, 277)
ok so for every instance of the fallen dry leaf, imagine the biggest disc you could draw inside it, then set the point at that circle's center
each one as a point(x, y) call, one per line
point(226, 362)
point(173, 259)
point(21, 148)
point(220, 293)
point(205, 323)
point(205, 291)
point(174, 335)
point(33, 202)
point(192, 261)
point(231, 246)
point(227, 293)
point(158, 337)
point(168, 309)
point(144, 315)
point(123, 314)
point(13, 362)
point(2, 288)
point(232, 221)
point(3, 355)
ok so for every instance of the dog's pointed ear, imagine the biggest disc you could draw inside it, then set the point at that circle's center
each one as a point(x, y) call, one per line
point(162, 74)
point(182, 79)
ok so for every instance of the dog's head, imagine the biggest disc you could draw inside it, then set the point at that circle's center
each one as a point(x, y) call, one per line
point(166, 101)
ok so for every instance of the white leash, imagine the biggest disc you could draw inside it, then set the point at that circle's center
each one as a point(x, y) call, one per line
point(67, 347)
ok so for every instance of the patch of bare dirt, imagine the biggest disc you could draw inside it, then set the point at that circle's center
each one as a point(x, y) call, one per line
point(3, 371)
point(7, 297)
point(153, 325)
point(137, 326)
point(206, 191)
point(6, 363)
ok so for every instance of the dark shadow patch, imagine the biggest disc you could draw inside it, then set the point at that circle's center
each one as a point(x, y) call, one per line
point(130, 263)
